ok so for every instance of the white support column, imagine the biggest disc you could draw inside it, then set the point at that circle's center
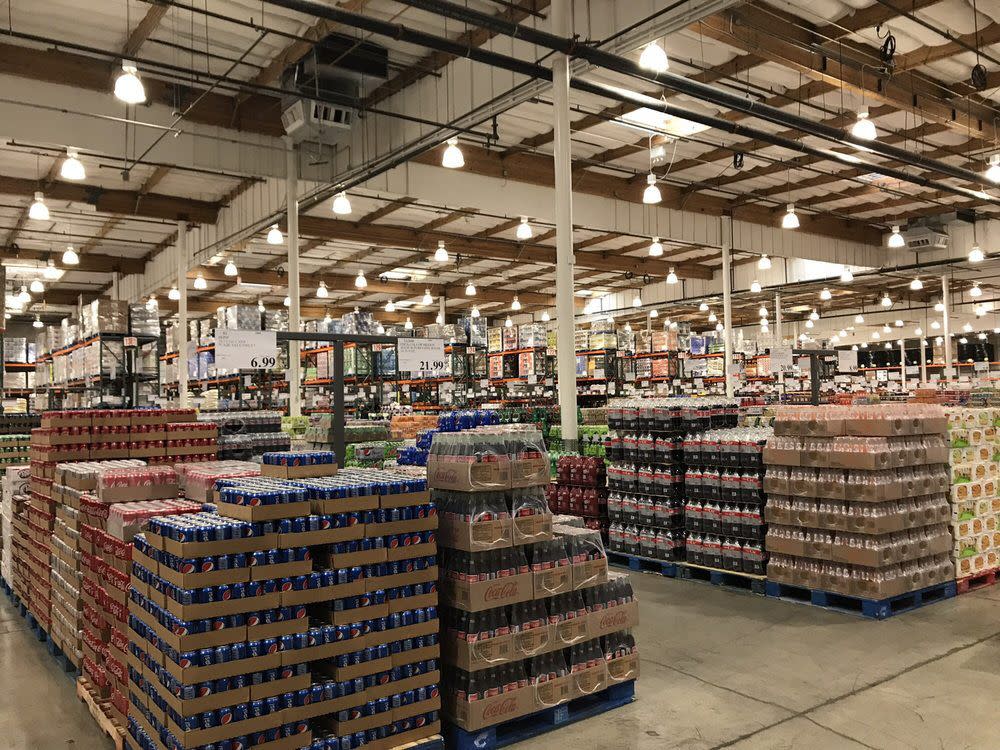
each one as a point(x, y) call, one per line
point(441, 310)
point(727, 302)
point(116, 292)
point(923, 361)
point(778, 334)
point(182, 314)
point(294, 322)
point(566, 350)
point(946, 322)
point(902, 364)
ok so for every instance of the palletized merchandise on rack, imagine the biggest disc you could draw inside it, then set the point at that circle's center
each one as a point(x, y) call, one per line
point(302, 614)
point(974, 449)
point(857, 499)
point(531, 617)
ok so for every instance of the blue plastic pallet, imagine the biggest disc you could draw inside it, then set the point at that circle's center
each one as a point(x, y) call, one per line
point(36, 628)
point(647, 564)
point(533, 725)
point(718, 577)
point(878, 609)
point(62, 660)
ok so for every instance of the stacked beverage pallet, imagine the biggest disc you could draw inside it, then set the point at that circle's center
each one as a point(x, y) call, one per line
point(100, 711)
point(877, 609)
point(690, 572)
point(533, 725)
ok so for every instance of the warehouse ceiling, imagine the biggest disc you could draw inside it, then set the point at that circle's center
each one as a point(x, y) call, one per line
point(909, 64)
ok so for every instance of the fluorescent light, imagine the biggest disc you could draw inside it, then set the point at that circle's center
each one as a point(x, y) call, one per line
point(976, 255)
point(174, 293)
point(846, 276)
point(69, 257)
point(764, 264)
point(39, 211)
point(864, 129)
point(672, 277)
point(231, 269)
point(274, 236)
point(896, 239)
point(993, 171)
point(360, 281)
point(37, 287)
point(321, 291)
point(470, 289)
point(825, 294)
point(72, 167)
point(341, 204)
point(199, 281)
point(976, 291)
point(128, 85)
point(452, 157)
point(916, 285)
point(524, 230)
point(791, 219)
point(755, 287)
point(655, 248)
point(652, 193)
point(515, 305)
point(654, 58)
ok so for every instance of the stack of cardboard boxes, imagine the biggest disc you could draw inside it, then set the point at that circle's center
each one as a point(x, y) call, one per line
point(306, 607)
point(857, 499)
point(531, 617)
point(975, 504)
point(14, 517)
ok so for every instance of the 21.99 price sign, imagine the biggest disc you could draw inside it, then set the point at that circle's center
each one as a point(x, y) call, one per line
point(422, 355)
point(245, 350)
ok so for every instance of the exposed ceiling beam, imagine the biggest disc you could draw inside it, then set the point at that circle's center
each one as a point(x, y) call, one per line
point(12, 235)
point(145, 28)
point(122, 202)
point(91, 262)
point(925, 55)
point(311, 311)
point(389, 207)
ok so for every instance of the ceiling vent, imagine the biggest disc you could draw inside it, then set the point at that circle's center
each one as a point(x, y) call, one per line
point(926, 238)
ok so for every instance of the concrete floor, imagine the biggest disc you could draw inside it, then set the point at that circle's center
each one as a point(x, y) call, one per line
point(719, 670)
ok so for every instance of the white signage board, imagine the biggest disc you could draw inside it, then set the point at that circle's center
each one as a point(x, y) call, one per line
point(781, 358)
point(252, 350)
point(847, 360)
point(421, 355)
point(981, 366)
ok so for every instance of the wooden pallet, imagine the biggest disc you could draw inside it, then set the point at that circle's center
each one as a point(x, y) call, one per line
point(977, 581)
point(96, 705)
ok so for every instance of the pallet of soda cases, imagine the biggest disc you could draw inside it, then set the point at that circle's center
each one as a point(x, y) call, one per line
point(233, 600)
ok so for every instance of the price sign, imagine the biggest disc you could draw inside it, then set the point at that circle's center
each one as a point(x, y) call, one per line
point(781, 358)
point(422, 355)
point(847, 360)
point(130, 341)
point(981, 366)
point(252, 350)
point(912, 370)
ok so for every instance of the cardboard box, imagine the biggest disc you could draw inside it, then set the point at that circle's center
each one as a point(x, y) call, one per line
point(469, 477)
point(264, 512)
point(326, 536)
point(403, 499)
point(480, 595)
point(309, 471)
point(530, 529)
point(203, 549)
point(475, 536)
point(218, 609)
point(345, 505)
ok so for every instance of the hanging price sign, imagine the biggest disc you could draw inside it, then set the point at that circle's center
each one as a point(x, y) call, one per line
point(251, 350)
point(422, 355)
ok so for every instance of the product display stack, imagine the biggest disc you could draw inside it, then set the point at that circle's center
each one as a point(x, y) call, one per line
point(858, 502)
point(532, 620)
point(580, 489)
point(975, 505)
point(301, 614)
point(654, 449)
point(246, 435)
point(14, 517)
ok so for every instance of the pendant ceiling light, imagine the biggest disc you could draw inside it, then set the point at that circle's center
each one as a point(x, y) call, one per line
point(199, 282)
point(23, 297)
point(935, 325)
point(475, 312)
point(427, 299)
point(470, 289)
point(408, 325)
point(508, 323)
point(809, 323)
point(37, 287)
point(38, 210)
point(441, 254)
point(896, 240)
point(992, 172)
point(524, 230)
point(637, 300)
point(274, 236)
point(452, 157)
point(654, 58)
point(939, 306)
point(762, 312)
point(791, 219)
point(916, 285)
point(703, 307)
point(863, 128)
point(846, 276)
point(814, 315)
point(37, 323)
point(515, 305)
point(886, 300)
point(50, 271)
point(72, 167)
point(287, 302)
point(341, 204)
point(360, 281)
point(321, 291)
point(69, 256)
point(764, 263)
point(653, 313)
point(976, 291)
point(671, 277)
point(231, 269)
point(918, 331)
point(546, 317)
point(652, 193)
point(826, 294)
point(151, 303)
point(755, 287)
point(390, 306)
point(976, 255)
point(655, 248)
point(859, 318)
point(174, 293)
point(128, 85)
point(380, 329)
point(712, 317)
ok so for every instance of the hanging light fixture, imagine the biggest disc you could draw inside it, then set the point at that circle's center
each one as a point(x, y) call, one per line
point(408, 325)
point(199, 282)
point(274, 236)
point(803, 337)
point(652, 193)
point(976, 255)
point(470, 289)
point(825, 295)
point(976, 291)
point(452, 157)
point(439, 319)
point(151, 303)
point(390, 306)
point(863, 128)
point(791, 219)
point(441, 254)
point(963, 340)
point(859, 318)
point(967, 327)
point(38, 210)
point(993, 170)
point(886, 300)
point(916, 285)
point(260, 305)
point(546, 317)
point(653, 313)
point(174, 293)
point(360, 281)
point(475, 312)
point(50, 271)
point(672, 277)
point(69, 256)
point(712, 317)
point(876, 335)
point(764, 264)
point(37, 287)
point(628, 327)
point(842, 333)
point(380, 329)
point(719, 327)
point(128, 85)
point(508, 323)
point(655, 248)
point(37, 323)
point(321, 291)
point(72, 167)
point(762, 312)
point(896, 239)
point(854, 348)
point(935, 325)
point(703, 307)
point(637, 300)
point(524, 230)
point(814, 315)
point(939, 306)
point(835, 339)
point(427, 299)
point(888, 345)
point(654, 58)
point(341, 204)
point(755, 287)
point(809, 323)
point(918, 331)
point(287, 302)
point(981, 336)
point(515, 304)
point(898, 323)
point(231, 269)
point(886, 328)
point(846, 276)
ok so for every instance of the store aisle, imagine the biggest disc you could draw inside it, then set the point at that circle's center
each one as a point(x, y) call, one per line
point(719, 669)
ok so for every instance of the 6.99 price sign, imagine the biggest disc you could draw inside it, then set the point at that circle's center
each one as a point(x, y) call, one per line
point(245, 350)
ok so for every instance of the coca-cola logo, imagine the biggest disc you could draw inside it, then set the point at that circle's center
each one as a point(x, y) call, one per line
point(506, 707)
point(614, 619)
point(500, 591)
